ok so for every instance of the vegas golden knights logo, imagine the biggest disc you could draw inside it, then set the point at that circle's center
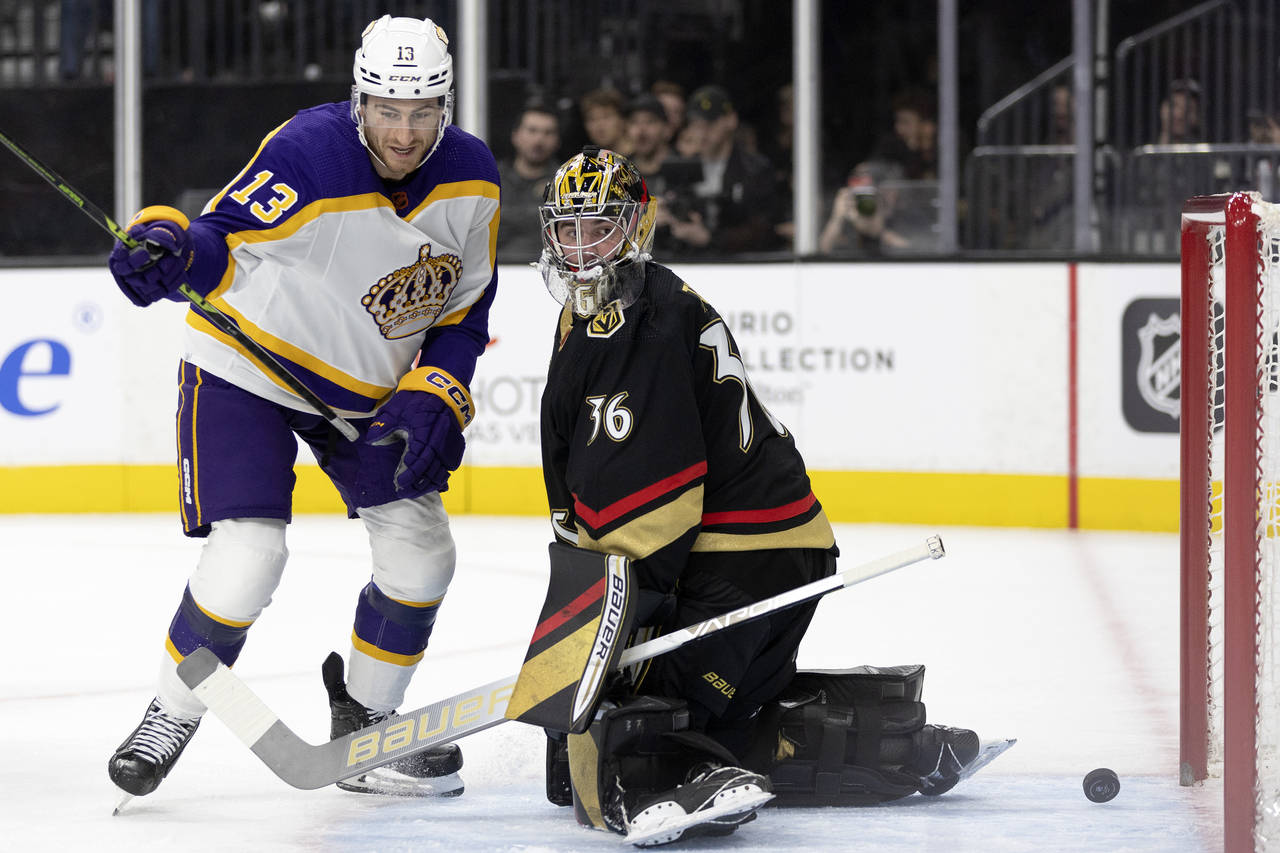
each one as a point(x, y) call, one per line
point(607, 322)
point(407, 300)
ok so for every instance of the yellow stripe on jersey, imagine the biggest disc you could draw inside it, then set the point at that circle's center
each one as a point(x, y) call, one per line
point(309, 214)
point(195, 447)
point(642, 536)
point(217, 198)
point(464, 189)
point(200, 324)
point(456, 189)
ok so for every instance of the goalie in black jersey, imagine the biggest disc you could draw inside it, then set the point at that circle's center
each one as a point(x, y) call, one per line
point(656, 448)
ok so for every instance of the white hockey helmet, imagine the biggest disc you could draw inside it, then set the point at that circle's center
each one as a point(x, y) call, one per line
point(403, 58)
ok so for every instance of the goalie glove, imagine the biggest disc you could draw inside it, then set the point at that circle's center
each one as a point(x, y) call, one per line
point(158, 265)
point(427, 412)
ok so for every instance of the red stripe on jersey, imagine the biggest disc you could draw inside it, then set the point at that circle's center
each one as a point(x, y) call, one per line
point(564, 614)
point(621, 507)
point(760, 516)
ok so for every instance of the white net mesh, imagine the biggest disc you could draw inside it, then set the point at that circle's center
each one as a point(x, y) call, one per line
point(1268, 590)
point(1217, 298)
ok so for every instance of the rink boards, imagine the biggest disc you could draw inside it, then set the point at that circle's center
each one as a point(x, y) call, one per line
point(1024, 394)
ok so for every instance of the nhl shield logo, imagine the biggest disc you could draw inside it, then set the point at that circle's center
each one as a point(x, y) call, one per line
point(1159, 370)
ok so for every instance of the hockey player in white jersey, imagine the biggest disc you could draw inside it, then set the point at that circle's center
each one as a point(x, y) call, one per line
point(357, 247)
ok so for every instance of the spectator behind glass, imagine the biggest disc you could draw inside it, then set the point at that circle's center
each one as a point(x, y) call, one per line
point(1180, 114)
point(79, 20)
point(535, 139)
point(862, 216)
point(914, 130)
point(1264, 130)
point(672, 177)
point(604, 119)
point(672, 97)
point(778, 145)
point(1062, 115)
point(737, 196)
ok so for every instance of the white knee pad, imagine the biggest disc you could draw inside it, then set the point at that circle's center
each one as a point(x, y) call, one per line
point(413, 562)
point(413, 551)
point(240, 567)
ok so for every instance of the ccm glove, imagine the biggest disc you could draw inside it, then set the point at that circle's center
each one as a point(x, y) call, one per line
point(427, 412)
point(156, 267)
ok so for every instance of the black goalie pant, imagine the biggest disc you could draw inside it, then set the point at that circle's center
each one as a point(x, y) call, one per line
point(726, 676)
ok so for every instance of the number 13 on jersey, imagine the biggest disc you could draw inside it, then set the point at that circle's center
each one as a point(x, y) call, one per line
point(283, 197)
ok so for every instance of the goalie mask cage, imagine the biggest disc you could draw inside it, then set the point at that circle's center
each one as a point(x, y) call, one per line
point(1230, 533)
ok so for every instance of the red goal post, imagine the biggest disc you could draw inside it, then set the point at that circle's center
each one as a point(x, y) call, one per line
point(1230, 528)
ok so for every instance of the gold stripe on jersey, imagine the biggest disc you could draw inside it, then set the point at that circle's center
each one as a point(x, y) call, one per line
point(814, 533)
point(184, 439)
point(307, 215)
point(493, 236)
point(200, 324)
point(182, 496)
point(456, 189)
point(217, 198)
point(280, 347)
point(652, 531)
point(465, 189)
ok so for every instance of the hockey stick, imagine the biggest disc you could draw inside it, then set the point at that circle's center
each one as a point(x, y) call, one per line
point(211, 313)
point(307, 766)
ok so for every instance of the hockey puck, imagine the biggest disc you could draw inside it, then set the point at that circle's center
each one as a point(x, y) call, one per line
point(1101, 785)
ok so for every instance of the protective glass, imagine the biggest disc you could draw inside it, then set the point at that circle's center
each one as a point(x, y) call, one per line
point(411, 115)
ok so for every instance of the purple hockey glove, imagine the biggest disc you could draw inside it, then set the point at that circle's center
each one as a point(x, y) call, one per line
point(157, 266)
point(433, 441)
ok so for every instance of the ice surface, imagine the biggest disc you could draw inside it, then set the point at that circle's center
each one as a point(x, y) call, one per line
point(1065, 640)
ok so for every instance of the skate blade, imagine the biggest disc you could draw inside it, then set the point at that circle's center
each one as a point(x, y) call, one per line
point(731, 808)
point(121, 803)
point(389, 783)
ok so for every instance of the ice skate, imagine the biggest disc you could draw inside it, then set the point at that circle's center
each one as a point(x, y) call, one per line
point(712, 803)
point(433, 772)
point(940, 756)
point(140, 764)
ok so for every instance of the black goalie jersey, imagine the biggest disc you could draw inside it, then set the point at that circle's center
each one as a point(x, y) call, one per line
point(654, 445)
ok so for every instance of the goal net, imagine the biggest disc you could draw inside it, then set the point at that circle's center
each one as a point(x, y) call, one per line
point(1230, 530)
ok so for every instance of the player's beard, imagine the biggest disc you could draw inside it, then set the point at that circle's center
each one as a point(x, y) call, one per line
point(400, 159)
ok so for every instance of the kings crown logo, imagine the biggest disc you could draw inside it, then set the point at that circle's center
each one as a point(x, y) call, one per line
point(404, 301)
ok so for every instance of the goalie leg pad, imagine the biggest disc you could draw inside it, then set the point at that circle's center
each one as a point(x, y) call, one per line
point(641, 759)
point(843, 737)
point(625, 751)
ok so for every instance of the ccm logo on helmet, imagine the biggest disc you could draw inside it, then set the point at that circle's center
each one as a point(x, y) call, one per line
point(399, 78)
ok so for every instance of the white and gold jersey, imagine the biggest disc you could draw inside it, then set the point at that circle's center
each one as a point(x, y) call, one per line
point(342, 276)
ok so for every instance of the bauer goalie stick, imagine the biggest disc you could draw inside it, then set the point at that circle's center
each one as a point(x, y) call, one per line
point(307, 766)
point(210, 311)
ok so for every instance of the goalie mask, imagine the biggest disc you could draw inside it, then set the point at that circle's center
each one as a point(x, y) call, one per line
point(403, 59)
point(597, 231)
